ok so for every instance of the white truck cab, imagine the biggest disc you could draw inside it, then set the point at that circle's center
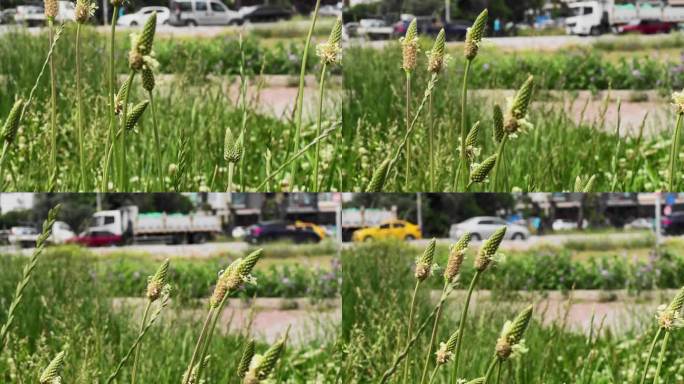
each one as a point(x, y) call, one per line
point(601, 16)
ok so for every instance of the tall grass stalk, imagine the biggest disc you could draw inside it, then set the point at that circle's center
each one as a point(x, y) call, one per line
point(53, 111)
point(409, 330)
point(123, 170)
point(157, 143)
point(321, 90)
point(300, 93)
point(79, 101)
point(435, 64)
point(433, 336)
point(490, 369)
point(243, 97)
point(650, 355)
point(663, 348)
point(461, 324)
point(28, 273)
point(409, 47)
point(111, 82)
point(674, 153)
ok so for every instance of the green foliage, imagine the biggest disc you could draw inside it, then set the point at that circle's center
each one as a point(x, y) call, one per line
point(377, 285)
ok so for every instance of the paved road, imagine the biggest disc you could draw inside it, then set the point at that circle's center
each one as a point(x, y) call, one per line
point(182, 250)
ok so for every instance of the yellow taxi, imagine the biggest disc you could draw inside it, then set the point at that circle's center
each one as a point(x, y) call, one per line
point(393, 229)
point(317, 229)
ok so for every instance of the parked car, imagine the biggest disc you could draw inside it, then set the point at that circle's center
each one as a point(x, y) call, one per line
point(26, 236)
point(34, 15)
point(646, 27)
point(95, 238)
point(265, 13)
point(427, 25)
point(330, 10)
point(567, 225)
point(281, 230)
point(482, 227)
point(392, 229)
point(673, 224)
point(640, 223)
point(202, 12)
point(7, 16)
point(140, 17)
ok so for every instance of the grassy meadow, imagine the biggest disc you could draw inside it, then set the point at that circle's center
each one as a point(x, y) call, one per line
point(378, 282)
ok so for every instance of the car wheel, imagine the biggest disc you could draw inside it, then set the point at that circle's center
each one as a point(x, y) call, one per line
point(190, 23)
point(409, 238)
point(518, 236)
point(367, 239)
point(595, 31)
point(475, 236)
point(134, 24)
point(166, 22)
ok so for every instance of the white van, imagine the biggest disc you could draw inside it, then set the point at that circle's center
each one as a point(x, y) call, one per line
point(202, 12)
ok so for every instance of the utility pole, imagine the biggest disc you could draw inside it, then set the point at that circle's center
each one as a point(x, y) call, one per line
point(105, 11)
point(419, 211)
point(447, 10)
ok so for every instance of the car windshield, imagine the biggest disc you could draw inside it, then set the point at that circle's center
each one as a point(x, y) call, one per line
point(579, 11)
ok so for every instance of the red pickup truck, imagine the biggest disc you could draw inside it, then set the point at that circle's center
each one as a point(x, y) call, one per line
point(646, 27)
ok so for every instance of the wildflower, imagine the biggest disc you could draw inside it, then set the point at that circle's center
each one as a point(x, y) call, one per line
point(678, 101)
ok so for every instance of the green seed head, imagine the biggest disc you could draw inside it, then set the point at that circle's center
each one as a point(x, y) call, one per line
point(121, 95)
point(135, 114)
point(474, 36)
point(456, 256)
point(471, 139)
point(589, 186)
point(479, 174)
point(270, 359)
point(436, 59)
point(157, 282)
point(513, 333)
point(51, 373)
point(522, 99)
point(424, 262)
point(479, 380)
point(246, 359)
point(451, 343)
point(498, 124)
point(147, 37)
point(147, 79)
point(489, 249)
point(329, 52)
point(678, 301)
point(232, 149)
point(248, 263)
point(9, 130)
point(378, 179)
point(410, 47)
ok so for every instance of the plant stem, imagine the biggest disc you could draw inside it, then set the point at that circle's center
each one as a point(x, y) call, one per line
point(200, 341)
point(462, 175)
point(410, 328)
point(490, 370)
point(408, 128)
point(243, 133)
point(160, 169)
point(321, 90)
point(53, 112)
point(300, 94)
point(205, 347)
point(663, 348)
point(136, 357)
point(461, 324)
point(498, 372)
point(79, 115)
point(433, 375)
point(231, 169)
point(674, 152)
point(650, 354)
point(431, 145)
point(111, 81)
point(434, 334)
point(123, 182)
point(5, 148)
point(499, 160)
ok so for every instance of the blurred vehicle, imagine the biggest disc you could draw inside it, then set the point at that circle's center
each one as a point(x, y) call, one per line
point(34, 15)
point(330, 10)
point(92, 238)
point(30, 15)
point(281, 231)
point(427, 25)
point(131, 226)
point(141, 16)
point(597, 17)
point(640, 223)
point(238, 232)
point(23, 237)
point(567, 225)
point(393, 229)
point(646, 27)
point(673, 224)
point(320, 231)
point(7, 16)
point(482, 227)
point(202, 12)
point(265, 13)
point(372, 29)
point(26, 236)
